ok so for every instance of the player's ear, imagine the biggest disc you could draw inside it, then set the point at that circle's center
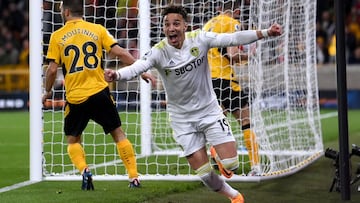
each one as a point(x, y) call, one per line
point(185, 27)
point(66, 11)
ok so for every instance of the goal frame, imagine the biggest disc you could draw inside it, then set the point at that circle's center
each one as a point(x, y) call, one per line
point(36, 89)
point(35, 93)
point(36, 138)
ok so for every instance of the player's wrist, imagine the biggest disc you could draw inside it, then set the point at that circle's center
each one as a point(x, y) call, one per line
point(47, 91)
point(117, 75)
point(265, 33)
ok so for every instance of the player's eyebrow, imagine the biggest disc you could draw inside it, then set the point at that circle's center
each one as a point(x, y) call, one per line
point(176, 20)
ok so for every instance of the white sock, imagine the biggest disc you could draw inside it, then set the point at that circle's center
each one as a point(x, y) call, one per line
point(228, 191)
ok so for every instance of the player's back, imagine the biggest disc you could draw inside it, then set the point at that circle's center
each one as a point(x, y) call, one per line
point(79, 44)
point(222, 24)
point(218, 62)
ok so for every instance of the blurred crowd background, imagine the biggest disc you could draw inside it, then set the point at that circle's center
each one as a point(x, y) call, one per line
point(14, 31)
point(14, 34)
point(325, 33)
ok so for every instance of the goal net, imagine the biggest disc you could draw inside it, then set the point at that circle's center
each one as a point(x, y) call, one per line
point(279, 77)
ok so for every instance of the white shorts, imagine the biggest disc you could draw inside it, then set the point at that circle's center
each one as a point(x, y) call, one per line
point(192, 136)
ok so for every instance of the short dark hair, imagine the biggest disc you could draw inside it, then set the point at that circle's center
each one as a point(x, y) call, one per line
point(76, 7)
point(174, 9)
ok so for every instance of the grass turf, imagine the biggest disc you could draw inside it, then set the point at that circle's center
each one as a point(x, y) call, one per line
point(309, 185)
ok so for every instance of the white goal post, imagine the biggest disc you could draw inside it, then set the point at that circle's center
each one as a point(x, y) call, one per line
point(280, 78)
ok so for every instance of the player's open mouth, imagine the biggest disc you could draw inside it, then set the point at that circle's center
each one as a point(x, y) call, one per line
point(173, 38)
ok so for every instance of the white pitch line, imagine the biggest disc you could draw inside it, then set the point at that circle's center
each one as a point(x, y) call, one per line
point(17, 185)
point(329, 115)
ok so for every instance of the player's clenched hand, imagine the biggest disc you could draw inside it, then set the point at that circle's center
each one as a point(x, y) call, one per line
point(110, 75)
point(46, 96)
point(275, 30)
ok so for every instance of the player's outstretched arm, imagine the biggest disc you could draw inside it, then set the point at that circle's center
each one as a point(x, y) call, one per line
point(122, 54)
point(241, 37)
point(128, 59)
point(128, 73)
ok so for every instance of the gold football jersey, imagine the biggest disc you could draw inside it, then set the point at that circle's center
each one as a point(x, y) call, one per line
point(219, 64)
point(78, 48)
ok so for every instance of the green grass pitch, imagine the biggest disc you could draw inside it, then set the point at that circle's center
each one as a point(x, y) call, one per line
point(309, 185)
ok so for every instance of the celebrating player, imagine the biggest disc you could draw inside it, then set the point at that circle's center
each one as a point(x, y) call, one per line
point(196, 117)
point(78, 48)
point(226, 87)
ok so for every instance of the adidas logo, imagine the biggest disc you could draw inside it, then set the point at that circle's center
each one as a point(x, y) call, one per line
point(171, 63)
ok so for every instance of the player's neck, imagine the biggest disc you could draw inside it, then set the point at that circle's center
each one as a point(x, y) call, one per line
point(72, 18)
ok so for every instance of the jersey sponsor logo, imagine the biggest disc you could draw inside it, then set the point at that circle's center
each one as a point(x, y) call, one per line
point(190, 66)
point(167, 72)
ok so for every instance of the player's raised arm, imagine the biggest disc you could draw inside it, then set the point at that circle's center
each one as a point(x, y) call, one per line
point(128, 59)
point(129, 72)
point(122, 54)
point(242, 37)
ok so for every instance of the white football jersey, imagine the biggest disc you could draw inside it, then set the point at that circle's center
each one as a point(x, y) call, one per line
point(185, 72)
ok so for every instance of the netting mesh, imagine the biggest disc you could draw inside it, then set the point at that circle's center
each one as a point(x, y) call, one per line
point(279, 76)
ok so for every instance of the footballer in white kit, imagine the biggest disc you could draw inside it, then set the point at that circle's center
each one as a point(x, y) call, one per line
point(196, 117)
point(189, 92)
